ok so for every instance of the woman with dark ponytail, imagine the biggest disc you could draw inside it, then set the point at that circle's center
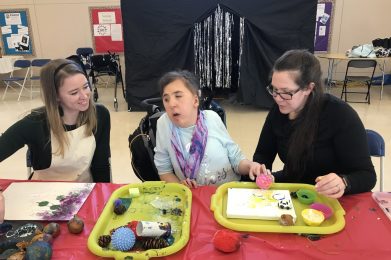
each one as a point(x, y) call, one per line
point(319, 138)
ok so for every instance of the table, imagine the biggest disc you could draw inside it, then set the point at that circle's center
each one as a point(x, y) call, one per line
point(335, 58)
point(7, 63)
point(367, 233)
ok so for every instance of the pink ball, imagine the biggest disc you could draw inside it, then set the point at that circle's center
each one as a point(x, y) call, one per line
point(264, 181)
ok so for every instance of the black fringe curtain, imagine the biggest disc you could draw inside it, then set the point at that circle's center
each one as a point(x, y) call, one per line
point(161, 35)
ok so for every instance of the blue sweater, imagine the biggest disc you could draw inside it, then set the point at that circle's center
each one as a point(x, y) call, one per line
point(222, 155)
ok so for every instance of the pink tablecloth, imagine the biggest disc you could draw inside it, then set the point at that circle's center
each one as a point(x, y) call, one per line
point(367, 233)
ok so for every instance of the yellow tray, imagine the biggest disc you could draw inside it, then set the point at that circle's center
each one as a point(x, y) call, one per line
point(154, 196)
point(332, 225)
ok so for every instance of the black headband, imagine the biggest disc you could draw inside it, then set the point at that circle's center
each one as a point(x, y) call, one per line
point(58, 70)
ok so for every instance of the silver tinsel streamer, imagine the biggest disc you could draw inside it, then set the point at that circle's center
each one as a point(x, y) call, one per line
point(213, 49)
point(240, 46)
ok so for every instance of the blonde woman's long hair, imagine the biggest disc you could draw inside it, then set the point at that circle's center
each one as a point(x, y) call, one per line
point(53, 75)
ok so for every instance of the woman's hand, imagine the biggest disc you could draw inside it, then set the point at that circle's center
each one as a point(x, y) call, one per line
point(257, 169)
point(330, 185)
point(190, 183)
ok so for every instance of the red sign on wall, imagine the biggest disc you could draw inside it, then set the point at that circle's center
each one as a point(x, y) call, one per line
point(107, 29)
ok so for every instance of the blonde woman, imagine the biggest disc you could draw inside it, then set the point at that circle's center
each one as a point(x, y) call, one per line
point(69, 136)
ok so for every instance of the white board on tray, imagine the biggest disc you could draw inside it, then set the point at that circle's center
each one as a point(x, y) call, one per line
point(259, 204)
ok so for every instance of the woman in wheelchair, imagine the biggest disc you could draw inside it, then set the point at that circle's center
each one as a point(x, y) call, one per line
point(193, 147)
point(69, 136)
point(320, 139)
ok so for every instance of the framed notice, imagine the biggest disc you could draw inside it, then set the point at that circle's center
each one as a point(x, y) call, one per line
point(15, 31)
point(323, 23)
point(106, 27)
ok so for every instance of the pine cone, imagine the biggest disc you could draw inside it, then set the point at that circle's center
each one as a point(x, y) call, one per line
point(104, 240)
point(154, 243)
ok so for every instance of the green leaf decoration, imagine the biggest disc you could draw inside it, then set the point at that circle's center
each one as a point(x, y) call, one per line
point(60, 197)
point(43, 203)
point(54, 207)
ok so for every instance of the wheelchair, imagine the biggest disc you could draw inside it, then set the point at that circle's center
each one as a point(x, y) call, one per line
point(106, 65)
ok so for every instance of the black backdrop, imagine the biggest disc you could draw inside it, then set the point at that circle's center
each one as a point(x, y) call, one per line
point(158, 37)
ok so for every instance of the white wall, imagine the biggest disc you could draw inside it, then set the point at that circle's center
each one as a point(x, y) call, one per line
point(357, 22)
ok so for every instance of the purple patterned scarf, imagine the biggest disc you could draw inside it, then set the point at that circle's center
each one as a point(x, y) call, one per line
point(191, 166)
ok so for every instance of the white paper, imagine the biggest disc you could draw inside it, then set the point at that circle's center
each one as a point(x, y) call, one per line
point(325, 17)
point(13, 41)
point(322, 30)
point(12, 18)
point(25, 40)
point(116, 32)
point(45, 200)
point(23, 29)
point(102, 30)
point(320, 10)
point(106, 17)
point(6, 29)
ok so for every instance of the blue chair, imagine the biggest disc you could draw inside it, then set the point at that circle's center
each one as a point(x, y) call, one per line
point(377, 149)
point(22, 68)
point(36, 65)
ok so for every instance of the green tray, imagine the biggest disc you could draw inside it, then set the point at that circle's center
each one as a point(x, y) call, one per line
point(154, 196)
point(332, 225)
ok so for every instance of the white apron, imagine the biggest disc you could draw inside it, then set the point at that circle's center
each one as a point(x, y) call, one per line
point(75, 165)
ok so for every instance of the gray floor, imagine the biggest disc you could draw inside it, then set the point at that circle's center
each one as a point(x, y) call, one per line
point(244, 124)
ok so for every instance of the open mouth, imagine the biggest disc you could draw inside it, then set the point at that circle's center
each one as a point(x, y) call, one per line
point(175, 114)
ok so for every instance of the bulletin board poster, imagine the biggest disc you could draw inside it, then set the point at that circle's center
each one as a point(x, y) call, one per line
point(107, 29)
point(323, 26)
point(16, 35)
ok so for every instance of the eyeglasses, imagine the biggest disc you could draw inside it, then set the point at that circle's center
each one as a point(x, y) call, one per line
point(283, 95)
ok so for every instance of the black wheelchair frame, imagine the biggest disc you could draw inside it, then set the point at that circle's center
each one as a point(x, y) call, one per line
point(106, 65)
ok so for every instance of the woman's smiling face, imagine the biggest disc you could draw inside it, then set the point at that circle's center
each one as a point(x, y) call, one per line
point(74, 94)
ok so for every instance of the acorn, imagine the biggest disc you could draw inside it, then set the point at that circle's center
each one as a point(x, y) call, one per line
point(52, 229)
point(75, 225)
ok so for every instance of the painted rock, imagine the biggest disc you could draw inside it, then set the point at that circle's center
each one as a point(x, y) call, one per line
point(39, 250)
point(52, 229)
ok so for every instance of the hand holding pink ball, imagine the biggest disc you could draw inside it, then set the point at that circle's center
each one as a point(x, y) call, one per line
point(264, 181)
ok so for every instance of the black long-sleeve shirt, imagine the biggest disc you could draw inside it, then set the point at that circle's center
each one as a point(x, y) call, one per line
point(340, 145)
point(33, 131)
